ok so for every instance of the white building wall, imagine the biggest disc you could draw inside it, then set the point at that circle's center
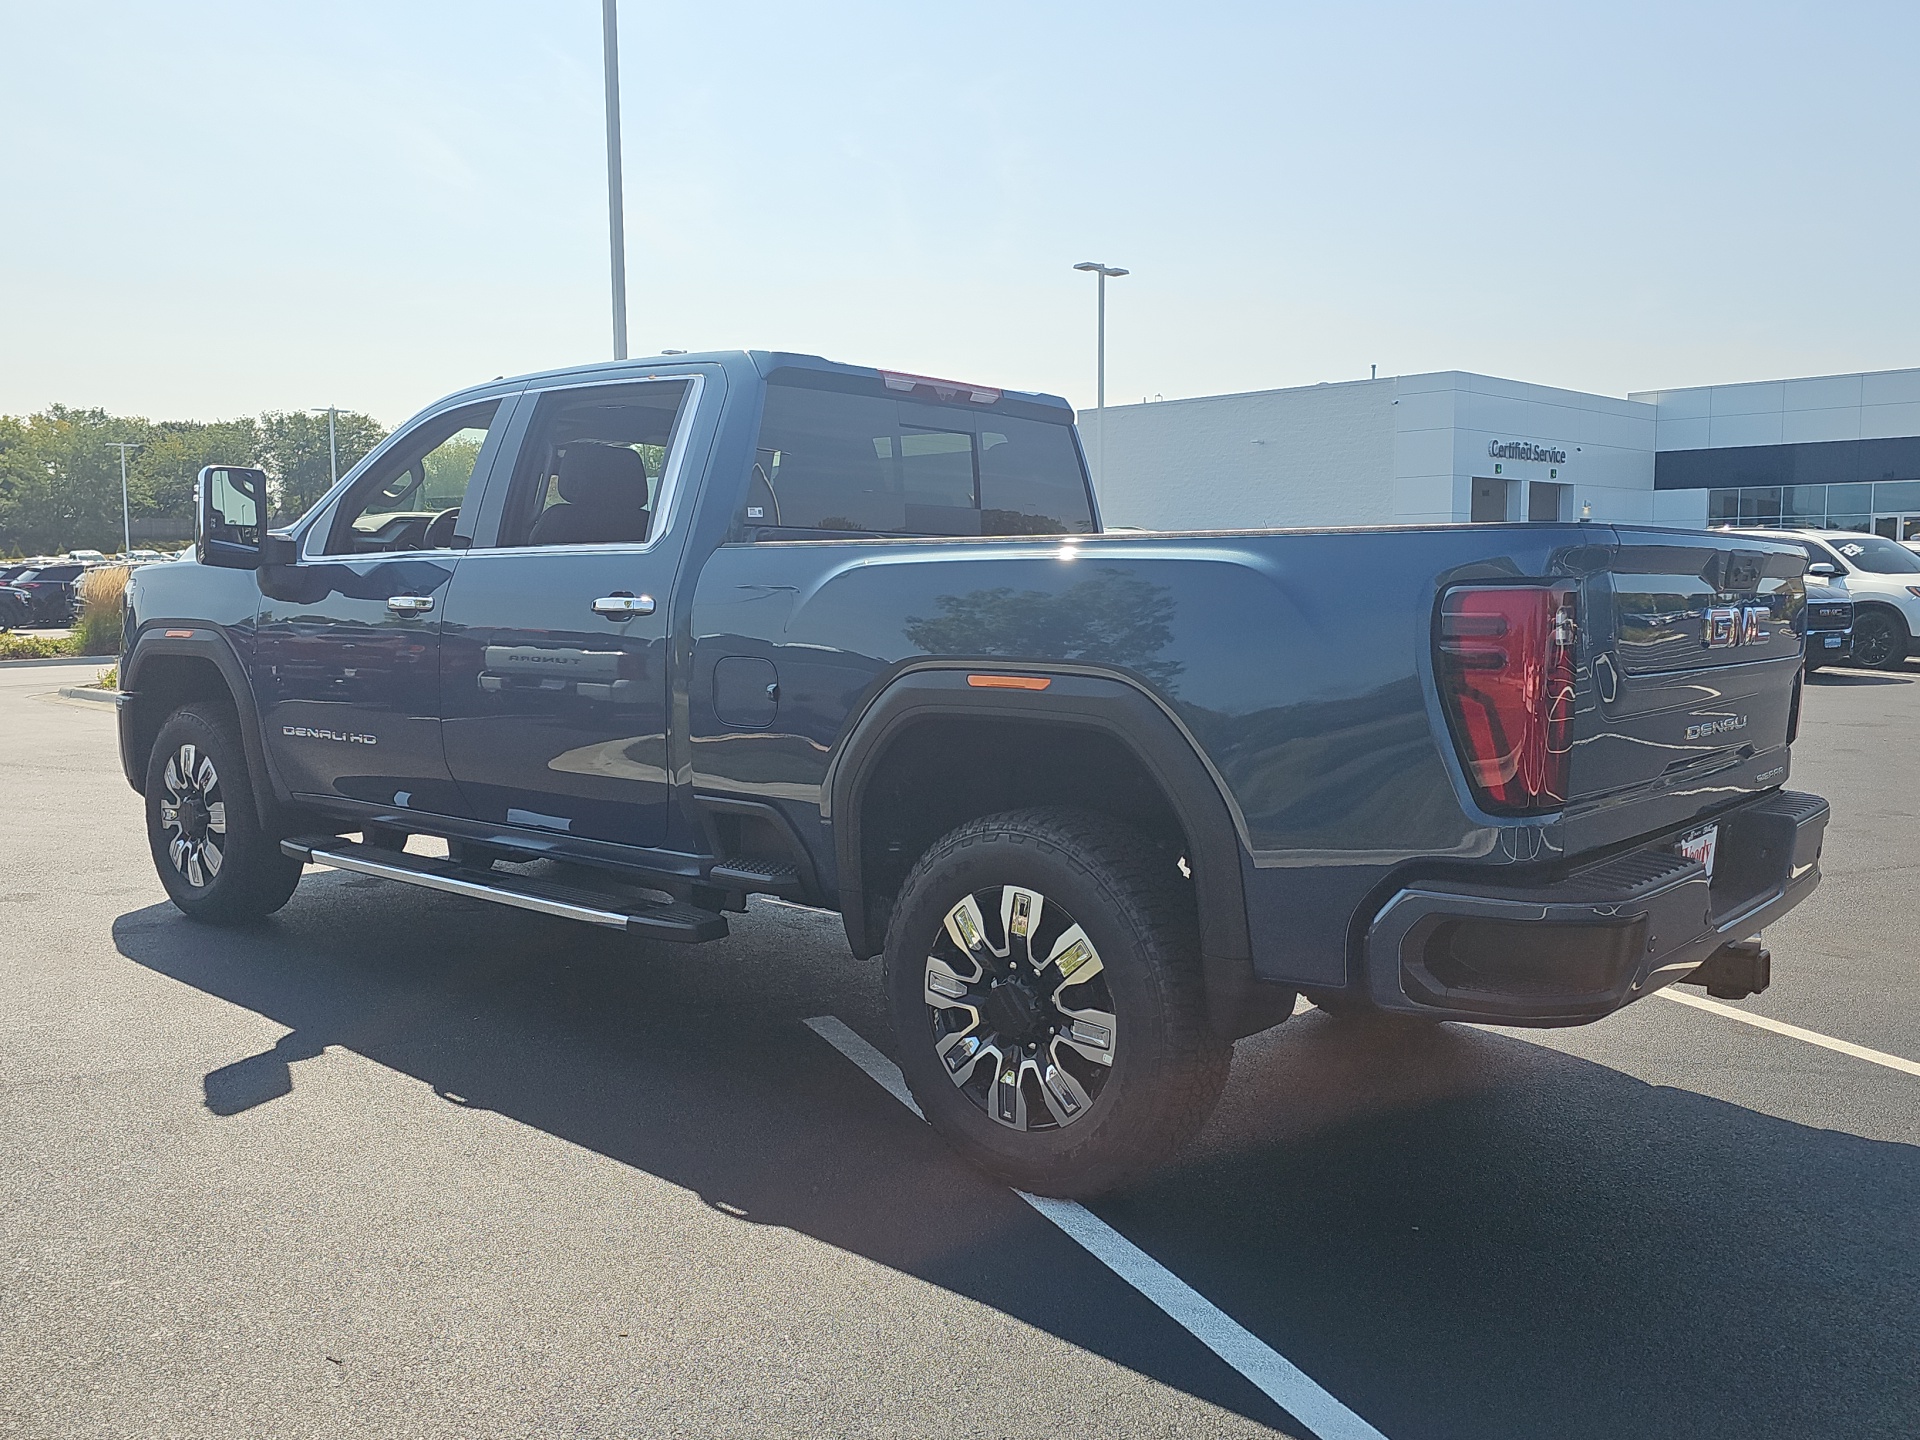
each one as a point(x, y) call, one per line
point(1872, 405)
point(1323, 455)
point(1399, 451)
point(1608, 442)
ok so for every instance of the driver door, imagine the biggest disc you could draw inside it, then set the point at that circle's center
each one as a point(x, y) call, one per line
point(348, 666)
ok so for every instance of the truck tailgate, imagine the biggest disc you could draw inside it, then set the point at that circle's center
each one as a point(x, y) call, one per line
point(1692, 660)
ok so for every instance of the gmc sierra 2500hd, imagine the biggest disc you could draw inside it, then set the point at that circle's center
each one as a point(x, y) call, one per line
point(699, 627)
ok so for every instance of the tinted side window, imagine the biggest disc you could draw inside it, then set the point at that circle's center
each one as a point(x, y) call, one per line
point(411, 498)
point(590, 471)
point(862, 464)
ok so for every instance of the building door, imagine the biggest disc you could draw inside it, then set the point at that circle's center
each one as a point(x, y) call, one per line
point(1897, 527)
point(1546, 501)
point(1491, 503)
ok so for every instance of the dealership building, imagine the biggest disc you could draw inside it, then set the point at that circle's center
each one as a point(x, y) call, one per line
point(1840, 451)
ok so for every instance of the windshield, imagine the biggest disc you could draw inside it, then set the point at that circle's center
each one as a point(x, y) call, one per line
point(1877, 555)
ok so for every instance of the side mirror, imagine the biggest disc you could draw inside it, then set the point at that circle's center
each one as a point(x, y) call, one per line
point(1822, 568)
point(229, 528)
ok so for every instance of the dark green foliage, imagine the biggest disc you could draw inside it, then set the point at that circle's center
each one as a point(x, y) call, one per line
point(60, 475)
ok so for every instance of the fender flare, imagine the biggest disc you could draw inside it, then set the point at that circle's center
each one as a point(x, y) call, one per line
point(162, 638)
point(1088, 698)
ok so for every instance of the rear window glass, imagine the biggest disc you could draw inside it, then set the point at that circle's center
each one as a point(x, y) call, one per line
point(1878, 555)
point(866, 465)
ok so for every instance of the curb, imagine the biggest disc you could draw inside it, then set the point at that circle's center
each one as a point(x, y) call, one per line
point(103, 661)
point(91, 692)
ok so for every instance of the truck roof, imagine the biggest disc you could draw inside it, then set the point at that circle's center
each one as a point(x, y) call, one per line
point(762, 363)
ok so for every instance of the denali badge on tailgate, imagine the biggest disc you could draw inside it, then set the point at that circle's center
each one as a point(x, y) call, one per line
point(1707, 728)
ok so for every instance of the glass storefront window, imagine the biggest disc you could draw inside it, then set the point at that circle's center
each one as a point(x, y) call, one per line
point(1849, 499)
point(1760, 505)
point(1723, 507)
point(1901, 495)
point(1850, 522)
point(1804, 505)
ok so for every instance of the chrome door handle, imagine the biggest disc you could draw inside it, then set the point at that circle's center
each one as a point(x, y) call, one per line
point(622, 607)
point(409, 604)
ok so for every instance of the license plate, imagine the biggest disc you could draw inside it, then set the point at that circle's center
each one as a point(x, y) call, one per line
point(1700, 846)
point(1833, 642)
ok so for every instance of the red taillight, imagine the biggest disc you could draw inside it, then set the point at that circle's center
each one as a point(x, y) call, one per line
point(1506, 669)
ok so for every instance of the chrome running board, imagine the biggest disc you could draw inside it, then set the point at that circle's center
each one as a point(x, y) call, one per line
point(660, 920)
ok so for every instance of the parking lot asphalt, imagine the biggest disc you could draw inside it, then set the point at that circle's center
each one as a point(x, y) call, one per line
point(395, 1163)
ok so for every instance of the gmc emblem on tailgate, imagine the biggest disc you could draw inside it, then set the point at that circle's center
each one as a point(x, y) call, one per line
point(1729, 625)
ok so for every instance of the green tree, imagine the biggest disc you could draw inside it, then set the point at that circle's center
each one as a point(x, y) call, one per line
point(162, 473)
point(293, 452)
point(60, 479)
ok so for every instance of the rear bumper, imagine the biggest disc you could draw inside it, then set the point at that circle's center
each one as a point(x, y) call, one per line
point(1582, 947)
point(1829, 647)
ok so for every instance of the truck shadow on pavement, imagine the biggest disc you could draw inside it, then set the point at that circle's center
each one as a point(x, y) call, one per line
point(1457, 1233)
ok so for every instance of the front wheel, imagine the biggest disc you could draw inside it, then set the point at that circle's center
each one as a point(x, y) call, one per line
point(1044, 981)
point(214, 859)
point(1879, 640)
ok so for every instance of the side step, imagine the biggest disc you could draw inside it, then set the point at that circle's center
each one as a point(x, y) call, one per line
point(755, 877)
point(662, 920)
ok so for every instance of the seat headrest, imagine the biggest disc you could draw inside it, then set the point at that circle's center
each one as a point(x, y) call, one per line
point(603, 476)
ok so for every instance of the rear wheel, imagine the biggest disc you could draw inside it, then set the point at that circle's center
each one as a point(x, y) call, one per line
point(215, 861)
point(1044, 982)
point(1879, 640)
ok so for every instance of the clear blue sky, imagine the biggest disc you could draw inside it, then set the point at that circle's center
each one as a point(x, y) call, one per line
point(213, 209)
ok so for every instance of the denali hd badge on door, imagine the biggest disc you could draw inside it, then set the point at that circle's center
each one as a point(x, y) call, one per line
point(307, 732)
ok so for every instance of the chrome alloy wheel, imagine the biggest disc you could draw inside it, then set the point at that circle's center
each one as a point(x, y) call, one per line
point(1022, 1018)
point(194, 815)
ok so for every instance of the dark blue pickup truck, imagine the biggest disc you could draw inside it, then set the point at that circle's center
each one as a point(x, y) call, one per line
point(638, 641)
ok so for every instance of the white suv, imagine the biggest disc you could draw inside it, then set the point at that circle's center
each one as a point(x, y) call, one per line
point(1883, 577)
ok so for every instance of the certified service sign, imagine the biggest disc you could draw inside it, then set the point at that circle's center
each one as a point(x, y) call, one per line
point(1525, 450)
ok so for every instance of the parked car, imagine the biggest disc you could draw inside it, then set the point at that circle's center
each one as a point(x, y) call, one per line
point(736, 624)
point(16, 607)
point(51, 591)
point(1882, 576)
point(1829, 622)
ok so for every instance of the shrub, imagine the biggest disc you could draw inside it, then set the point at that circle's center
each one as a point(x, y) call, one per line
point(101, 591)
point(35, 647)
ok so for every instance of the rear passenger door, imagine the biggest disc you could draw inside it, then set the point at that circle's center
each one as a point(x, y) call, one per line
point(555, 663)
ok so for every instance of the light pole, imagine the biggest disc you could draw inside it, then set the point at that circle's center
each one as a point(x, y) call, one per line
point(616, 218)
point(333, 450)
point(1100, 366)
point(126, 515)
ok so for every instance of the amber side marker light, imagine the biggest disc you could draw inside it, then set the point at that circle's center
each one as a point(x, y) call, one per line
point(179, 634)
point(1008, 682)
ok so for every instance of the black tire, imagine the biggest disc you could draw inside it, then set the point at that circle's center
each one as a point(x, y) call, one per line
point(1082, 1128)
point(1879, 640)
point(215, 861)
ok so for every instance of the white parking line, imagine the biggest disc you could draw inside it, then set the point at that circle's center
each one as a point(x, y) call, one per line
point(1812, 1037)
point(1271, 1372)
